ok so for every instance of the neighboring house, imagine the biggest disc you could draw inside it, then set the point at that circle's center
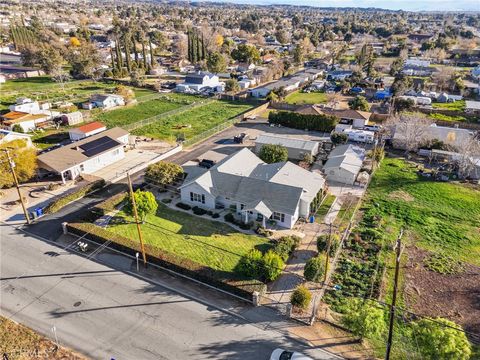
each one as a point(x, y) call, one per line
point(28, 122)
point(476, 73)
point(85, 156)
point(362, 136)
point(297, 148)
point(356, 118)
point(472, 107)
point(339, 74)
point(106, 101)
point(246, 83)
point(200, 80)
point(455, 137)
point(7, 136)
point(282, 192)
point(244, 67)
point(343, 164)
point(73, 118)
point(26, 105)
point(86, 130)
point(417, 62)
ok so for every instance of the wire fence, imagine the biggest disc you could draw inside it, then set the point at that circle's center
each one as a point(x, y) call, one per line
point(206, 134)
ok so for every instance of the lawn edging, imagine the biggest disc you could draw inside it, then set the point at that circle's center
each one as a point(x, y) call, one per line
point(243, 288)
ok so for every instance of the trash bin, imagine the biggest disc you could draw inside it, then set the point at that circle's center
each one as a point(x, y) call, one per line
point(39, 212)
point(33, 215)
point(312, 219)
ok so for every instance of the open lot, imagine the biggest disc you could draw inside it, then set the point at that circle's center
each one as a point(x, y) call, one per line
point(193, 122)
point(298, 97)
point(207, 242)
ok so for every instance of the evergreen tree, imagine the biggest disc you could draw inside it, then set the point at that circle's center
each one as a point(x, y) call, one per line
point(152, 62)
point(144, 53)
point(127, 55)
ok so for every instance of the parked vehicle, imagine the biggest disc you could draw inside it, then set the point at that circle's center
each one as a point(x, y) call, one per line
point(280, 354)
point(207, 164)
point(240, 138)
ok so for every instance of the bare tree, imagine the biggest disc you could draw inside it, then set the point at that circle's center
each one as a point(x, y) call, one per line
point(468, 150)
point(409, 132)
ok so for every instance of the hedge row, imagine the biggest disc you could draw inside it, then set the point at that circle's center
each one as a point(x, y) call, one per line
point(110, 204)
point(320, 122)
point(225, 281)
point(79, 193)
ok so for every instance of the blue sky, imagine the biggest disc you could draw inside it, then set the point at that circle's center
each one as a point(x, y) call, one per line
point(410, 5)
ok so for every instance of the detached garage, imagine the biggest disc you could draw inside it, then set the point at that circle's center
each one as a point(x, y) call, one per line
point(344, 164)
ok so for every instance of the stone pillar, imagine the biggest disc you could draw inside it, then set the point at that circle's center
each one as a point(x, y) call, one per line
point(264, 221)
point(256, 298)
point(64, 228)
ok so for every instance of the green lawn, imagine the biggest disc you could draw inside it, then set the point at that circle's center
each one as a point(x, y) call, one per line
point(27, 84)
point(194, 121)
point(440, 216)
point(48, 138)
point(457, 105)
point(298, 97)
point(207, 242)
point(131, 114)
point(323, 209)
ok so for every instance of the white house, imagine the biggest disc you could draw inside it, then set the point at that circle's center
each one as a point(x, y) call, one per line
point(254, 190)
point(85, 156)
point(339, 74)
point(7, 136)
point(343, 164)
point(86, 130)
point(26, 105)
point(27, 122)
point(362, 136)
point(297, 148)
point(200, 80)
point(107, 101)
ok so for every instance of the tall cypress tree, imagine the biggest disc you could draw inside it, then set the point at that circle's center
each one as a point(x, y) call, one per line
point(152, 62)
point(119, 55)
point(127, 54)
point(135, 52)
point(144, 53)
point(204, 53)
point(112, 58)
point(198, 49)
point(190, 47)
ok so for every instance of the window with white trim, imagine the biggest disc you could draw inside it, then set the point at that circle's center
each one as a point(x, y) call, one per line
point(278, 216)
point(197, 197)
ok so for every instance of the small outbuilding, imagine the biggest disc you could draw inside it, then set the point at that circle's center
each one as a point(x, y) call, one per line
point(86, 130)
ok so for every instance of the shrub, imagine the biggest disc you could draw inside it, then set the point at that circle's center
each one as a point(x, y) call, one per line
point(250, 264)
point(166, 201)
point(301, 297)
point(272, 266)
point(145, 202)
point(72, 196)
point(271, 153)
point(324, 123)
point(315, 268)
point(229, 218)
point(183, 206)
point(199, 211)
point(443, 264)
point(215, 215)
point(110, 204)
point(339, 138)
point(286, 245)
point(322, 243)
point(264, 232)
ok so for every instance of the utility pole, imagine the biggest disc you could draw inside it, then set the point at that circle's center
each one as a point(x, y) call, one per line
point(132, 195)
point(11, 163)
point(327, 258)
point(398, 248)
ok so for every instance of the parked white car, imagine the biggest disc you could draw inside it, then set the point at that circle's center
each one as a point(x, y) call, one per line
point(280, 354)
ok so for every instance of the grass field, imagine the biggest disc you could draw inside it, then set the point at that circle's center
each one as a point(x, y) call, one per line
point(440, 216)
point(323, 209)
point(207, 242)
point(298, 97)
point(144, 110)
point(48, 138)
point(457, 105)
point(194, 121)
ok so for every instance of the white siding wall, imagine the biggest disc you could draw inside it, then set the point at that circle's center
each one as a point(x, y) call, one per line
point(185, 196)
point(340, 175)
point(99, 162)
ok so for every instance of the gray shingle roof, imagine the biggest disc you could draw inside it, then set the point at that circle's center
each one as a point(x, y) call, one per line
point(293, 143)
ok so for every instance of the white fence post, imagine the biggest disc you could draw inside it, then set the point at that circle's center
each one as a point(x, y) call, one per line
point(64, 228)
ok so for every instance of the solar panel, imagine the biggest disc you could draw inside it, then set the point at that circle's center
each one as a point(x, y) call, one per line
point(98, 146)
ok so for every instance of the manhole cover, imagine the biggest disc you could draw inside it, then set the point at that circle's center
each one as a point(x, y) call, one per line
point(77, 303)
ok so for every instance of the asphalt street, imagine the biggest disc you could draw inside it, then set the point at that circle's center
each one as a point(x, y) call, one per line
point(107, 312)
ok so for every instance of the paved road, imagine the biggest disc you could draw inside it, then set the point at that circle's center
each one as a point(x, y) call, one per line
point(105, 311)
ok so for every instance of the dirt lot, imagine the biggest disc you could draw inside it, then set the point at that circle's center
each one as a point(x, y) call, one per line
point(456, 297)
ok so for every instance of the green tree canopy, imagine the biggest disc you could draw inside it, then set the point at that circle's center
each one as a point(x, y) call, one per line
point(25, 160)
point(250, 264)
point(339, 138)
point(246, 53)
point(439, 340)
point(271, 153)
point(232, 85)
point(163, 172)
point(359, 103)
point(216, 62)
point(85, 60)
point(364, 318)
point(146, 204)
